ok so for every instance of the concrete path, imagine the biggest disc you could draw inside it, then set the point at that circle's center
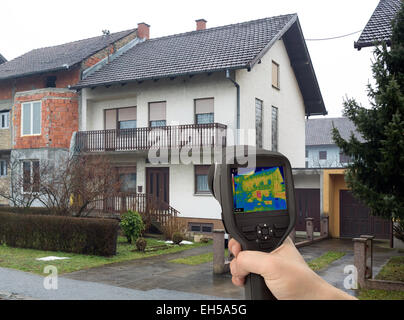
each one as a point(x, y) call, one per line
point(17, 285)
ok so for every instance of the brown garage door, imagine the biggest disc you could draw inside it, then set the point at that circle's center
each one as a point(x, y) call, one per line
point(355, 219)
point(308, 205)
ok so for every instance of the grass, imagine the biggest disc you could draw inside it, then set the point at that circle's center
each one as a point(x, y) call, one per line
point(392, 271)
point(196, 260)
point(24, 259)
point(325, 260)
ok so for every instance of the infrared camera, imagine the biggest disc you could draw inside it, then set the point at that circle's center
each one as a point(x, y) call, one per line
point(258, 206)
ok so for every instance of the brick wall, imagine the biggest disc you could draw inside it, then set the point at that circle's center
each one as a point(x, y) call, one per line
point(59, 118)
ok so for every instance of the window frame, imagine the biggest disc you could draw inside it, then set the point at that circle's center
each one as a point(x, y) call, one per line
point(276, 139)
point(278, 84)
point(211, 113)
point(148, 114)
point(117, 122)
point(5, 168)
point(261, 137)
point(5, 113)
point(32, 177)
point(322, 152)
point(200, 225)
point(31, 103)
point(196, 174)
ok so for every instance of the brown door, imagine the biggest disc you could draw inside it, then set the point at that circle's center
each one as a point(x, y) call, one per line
point(356, 219)
point(157, 184)
point(308, 206)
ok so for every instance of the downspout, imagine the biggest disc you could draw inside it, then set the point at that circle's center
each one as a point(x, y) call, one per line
point(238, 105)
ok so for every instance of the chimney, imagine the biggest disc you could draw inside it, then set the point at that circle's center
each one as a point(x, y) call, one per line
point(143, 30)
point(200, 24)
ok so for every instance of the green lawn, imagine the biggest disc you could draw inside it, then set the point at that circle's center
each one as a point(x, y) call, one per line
point(324, 260)
point(393, 271)
point(24, 259)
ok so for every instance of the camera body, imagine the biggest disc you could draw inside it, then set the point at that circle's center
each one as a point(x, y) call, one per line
point(258, 205)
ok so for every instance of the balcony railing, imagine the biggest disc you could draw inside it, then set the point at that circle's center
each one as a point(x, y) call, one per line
point(167, 137)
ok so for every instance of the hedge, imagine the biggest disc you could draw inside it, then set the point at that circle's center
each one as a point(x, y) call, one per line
point(55, 233)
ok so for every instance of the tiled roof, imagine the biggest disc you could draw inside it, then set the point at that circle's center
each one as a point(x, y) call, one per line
point(379, 28)
point(2, 59)
point(57, 57)
point(227, 47)
point(319, 131)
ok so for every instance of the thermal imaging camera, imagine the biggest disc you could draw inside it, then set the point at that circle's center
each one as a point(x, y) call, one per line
point(258, 206)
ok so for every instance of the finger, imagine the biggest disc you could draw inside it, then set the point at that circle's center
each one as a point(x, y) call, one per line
point(252, 262)
point(234, 247)
point(239, 282)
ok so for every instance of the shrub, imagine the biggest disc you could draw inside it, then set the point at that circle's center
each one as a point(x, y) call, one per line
point(56, 233)
point(205, 240)
point(132, 225)
point(141, 244)
point(177, 237)
point(172, 226)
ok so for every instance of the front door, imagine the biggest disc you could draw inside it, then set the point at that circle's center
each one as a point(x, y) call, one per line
point(157, 184)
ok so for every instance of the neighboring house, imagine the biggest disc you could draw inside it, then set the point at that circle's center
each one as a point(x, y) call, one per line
point(196, 87)
point(2, 59)
point(321, 150)
point(348, 217)
point(379, 27)
point(39, 112)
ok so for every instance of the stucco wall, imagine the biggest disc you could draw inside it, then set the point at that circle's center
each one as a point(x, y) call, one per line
point(291, 112)
point(332, 160)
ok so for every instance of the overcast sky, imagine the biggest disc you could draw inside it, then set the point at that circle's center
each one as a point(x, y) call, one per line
point(341, 70)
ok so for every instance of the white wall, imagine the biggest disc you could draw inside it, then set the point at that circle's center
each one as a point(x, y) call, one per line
point(291, 112)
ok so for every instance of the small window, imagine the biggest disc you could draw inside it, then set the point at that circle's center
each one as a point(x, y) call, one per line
point(50, 82)
point(3, 168)
point(274, 128)
point(31, 118)
point(275, 75)
point(200, 227)
point(31, 175)
point(204, 111)
point(201, 180)
point(322, 155)
point(4, 119)
point(157, 114)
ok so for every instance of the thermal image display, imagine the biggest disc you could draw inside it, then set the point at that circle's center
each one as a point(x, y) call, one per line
point(259, 189)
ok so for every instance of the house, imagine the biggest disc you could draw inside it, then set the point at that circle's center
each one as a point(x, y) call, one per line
point(347, 216)
point(321, 150)
point(39, 113)
point(2, 59)
point(379, 29)
point(198, 88)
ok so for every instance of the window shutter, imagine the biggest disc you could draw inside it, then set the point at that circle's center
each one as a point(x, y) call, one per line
point(127, 114)
point(157, 111)
point(110, 119)
point(204, 106)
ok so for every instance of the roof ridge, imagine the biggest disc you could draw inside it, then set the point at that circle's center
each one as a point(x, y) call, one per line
point(220, 27)
point(75, 41)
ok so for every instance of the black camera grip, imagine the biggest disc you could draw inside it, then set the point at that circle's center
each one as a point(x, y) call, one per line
point(256, 288)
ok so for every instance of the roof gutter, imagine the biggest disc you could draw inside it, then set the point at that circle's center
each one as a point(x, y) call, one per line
point(238, 104)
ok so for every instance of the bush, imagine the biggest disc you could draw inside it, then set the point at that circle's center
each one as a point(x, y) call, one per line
point(55, 233)
point(132, 225)
point(174, 225)
point(177, 237)
point(141, 244)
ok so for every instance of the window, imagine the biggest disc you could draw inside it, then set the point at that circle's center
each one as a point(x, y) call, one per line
point(4, 119)
point(31, 175)
point(274, 128)
point(275, 75)
point(307, 164)
point(120, 118)
point(204, 111)
point(157, 114)
point(322, 155)
point(258, 122)
point(127, 179)
point(50, 82)
point(344, 159)
point(307, 153)
point(3, 168)
point(201, 180)
point(31, 118)
point(200, 227)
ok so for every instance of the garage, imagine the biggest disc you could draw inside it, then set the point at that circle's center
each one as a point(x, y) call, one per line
point(308, 206)
point(355, 219)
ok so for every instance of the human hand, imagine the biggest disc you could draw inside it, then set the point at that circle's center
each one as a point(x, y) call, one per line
point(285, 272)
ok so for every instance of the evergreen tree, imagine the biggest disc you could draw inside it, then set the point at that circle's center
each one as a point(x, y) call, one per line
point(376, 174)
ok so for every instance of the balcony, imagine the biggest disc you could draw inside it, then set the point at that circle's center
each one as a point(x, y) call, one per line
point(167, 137)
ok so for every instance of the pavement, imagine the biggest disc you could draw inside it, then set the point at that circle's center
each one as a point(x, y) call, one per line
point(158, 278)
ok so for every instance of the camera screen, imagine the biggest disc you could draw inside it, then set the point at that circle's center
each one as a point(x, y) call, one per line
point(258, 189)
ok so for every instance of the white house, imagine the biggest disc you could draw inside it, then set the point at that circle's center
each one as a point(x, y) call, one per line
point(200, 86)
